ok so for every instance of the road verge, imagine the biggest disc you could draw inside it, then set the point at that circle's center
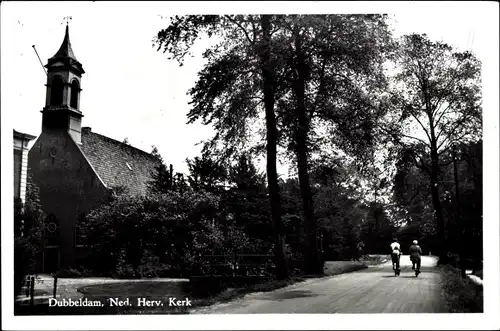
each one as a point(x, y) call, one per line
point(462, 294)
point(331, 268)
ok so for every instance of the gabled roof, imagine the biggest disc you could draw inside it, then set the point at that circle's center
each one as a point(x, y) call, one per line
point(118, 164)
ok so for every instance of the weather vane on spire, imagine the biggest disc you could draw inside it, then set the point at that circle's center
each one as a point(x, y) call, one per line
point(67, 18)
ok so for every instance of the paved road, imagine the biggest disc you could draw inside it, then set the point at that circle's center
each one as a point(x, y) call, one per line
point(372, 290)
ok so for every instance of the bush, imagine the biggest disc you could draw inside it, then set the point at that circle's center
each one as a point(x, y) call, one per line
point(73, 273)
point(375, 259)
point(25, 254)
point(461, 294)
point(126, 271)
point(28, 230)
point(151, 266)
point(162, 235)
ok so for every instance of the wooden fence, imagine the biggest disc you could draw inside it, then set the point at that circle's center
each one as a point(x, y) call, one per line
point(240, 265)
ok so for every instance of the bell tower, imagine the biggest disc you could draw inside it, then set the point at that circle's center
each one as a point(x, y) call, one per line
point(62, 102)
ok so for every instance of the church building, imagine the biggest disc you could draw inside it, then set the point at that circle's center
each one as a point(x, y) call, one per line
point(74, 168)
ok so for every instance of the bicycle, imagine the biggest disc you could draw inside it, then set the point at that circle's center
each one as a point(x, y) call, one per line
point(417, 271)
point(397, 271)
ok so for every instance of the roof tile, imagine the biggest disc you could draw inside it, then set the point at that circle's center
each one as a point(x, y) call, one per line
point(119, 164)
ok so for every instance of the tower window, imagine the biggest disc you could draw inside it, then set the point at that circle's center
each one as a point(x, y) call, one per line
point(56, 92)
point(75, 89)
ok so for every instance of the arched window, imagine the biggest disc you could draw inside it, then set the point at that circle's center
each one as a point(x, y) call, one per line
point(56, 91)
point(75, 90)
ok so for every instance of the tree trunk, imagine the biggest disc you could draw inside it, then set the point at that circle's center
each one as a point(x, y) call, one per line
point(457, 217)
point(314, 263)
point(457, 200)
point(268, 76)
point(436, 202)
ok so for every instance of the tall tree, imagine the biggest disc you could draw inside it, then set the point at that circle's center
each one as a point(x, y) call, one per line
point(245, 176)
point(247, 201)
point(162, 177)
point(240, 77)
point(334, 63)
point(317, 69)
point(462, 198)
point(269, 86)
point(438, 104)
point(206, 173)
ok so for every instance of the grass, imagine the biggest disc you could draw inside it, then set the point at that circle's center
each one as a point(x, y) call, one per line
point(162, 291)
point(375, 259)
point(225, 291)
point(149, 290)
point(462, 295)
point(196, 291)
point(333, 268)
point(232, 293)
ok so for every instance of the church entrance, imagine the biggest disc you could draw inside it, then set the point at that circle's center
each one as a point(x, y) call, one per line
point(51, 259)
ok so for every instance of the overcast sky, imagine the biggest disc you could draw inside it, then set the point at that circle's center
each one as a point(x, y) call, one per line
point(131, 90)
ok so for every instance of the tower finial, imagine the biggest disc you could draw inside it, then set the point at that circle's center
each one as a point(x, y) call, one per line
point(67, 18)
point(65, 49)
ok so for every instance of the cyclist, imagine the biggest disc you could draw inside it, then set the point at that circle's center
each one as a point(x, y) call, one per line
point(415, 252)
point(395, 254)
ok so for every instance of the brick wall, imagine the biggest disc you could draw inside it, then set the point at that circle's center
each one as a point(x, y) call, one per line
point(68, 185)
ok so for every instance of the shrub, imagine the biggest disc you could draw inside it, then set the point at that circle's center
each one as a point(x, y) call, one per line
point(461, 294)
point(124, 271)
point(151, 266)
point(73, 273)
point(28, 229)
point(159, 235)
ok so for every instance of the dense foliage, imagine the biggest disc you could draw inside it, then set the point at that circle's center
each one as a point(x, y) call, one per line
point(436, 100)
point(362, 174)
point(28, 232)
point(172, 233)
point(382, 136)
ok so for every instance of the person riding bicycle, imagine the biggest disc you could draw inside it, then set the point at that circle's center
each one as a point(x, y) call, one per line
point(415, 252)
point(395, 253)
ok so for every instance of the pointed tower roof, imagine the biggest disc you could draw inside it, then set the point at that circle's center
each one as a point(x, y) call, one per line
point(65, 50)
point(66, 54)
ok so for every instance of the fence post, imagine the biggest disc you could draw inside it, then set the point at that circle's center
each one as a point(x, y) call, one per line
point(55, 286)
point(27, 283)
point(32, 291)
point(234, 263)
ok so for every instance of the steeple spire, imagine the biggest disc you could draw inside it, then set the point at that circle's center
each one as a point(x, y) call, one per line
point(65, 55)
point(65, 51)
point(62, 102)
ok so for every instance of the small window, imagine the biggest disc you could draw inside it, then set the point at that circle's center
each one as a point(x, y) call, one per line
point(56, 91)
point(75, 91)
